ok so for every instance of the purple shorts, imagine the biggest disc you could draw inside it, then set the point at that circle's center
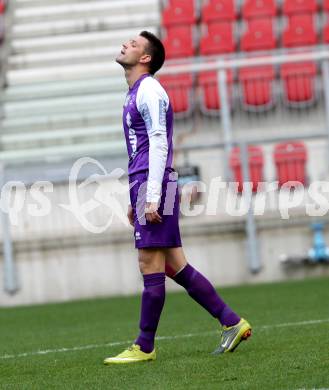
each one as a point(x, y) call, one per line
point(156, 235)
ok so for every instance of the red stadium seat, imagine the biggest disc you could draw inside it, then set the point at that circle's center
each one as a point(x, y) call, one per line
point(300, 31)
point(179, 42)
point(2, 7)
point(292, 7)
point(299, 83)
point(326, 5)
point(257, 87)
point(259, 36)
point(259, 8)
point(290, 160)
point(256, 166)
point(218, 39)
point(325, 30)
point(179, 90)
point(179, 12)
point(210, 102)
point(218, 10)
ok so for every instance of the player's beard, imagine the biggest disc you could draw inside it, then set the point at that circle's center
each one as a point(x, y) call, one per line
point(123, 63)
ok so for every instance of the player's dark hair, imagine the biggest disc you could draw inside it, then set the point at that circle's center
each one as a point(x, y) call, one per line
point(156, 50)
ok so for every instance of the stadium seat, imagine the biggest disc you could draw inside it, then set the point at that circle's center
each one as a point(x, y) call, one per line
point(259, 36)
point(326, 5)
point(259, 8)
point(179, 12)
point(325, 31)
point(299, 83)
point(179, 90)
point(218, 39)
point(208, 84)
point(2, 6)
point(256, 166)
point(257, 87)
point(292, 7)
point(179, 42)
point(218, 10)
point(300, 32)
point(290, 160)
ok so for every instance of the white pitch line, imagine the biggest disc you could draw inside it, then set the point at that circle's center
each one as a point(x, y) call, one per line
point(159, 338)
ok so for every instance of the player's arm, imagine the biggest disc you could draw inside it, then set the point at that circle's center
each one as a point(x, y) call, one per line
point(153, 107)
point(130, 215)
point(158, 153)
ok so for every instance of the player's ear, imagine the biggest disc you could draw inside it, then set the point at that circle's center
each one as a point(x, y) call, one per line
point(145, 59)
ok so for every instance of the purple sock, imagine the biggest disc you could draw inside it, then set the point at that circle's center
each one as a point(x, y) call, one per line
point(152, 303)
point(202, 291)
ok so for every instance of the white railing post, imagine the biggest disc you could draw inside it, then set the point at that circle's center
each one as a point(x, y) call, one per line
point(9, 268)
point(325, 75)
point(251, 231)
point(225, 112)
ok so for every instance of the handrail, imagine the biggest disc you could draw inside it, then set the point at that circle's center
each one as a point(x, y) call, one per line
point(200, 64)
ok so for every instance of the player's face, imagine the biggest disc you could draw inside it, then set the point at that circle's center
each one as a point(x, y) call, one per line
point(133, 52)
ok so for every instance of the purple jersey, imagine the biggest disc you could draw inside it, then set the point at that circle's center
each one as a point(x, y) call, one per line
point(146, 111)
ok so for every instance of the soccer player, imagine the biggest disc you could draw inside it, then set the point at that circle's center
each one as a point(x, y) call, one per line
point(154, 208)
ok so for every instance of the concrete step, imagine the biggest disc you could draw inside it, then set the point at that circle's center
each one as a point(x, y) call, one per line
point(42, 3)
point(61, 121)
point(63, 88)
point(57, 153)
point(59, 137)
point(64, 104)
point(64, 72)
point(57, 11)
point(63, 57)
point(84, 24)
point(73, 41)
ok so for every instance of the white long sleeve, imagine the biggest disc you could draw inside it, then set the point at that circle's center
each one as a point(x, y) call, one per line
point(158, 153)
point(153, 102)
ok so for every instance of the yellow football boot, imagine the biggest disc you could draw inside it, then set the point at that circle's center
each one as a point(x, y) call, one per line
point(132, 354)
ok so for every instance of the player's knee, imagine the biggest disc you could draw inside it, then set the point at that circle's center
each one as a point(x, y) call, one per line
point(149, 264)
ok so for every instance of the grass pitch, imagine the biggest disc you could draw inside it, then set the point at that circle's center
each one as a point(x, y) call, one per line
point(62, 346)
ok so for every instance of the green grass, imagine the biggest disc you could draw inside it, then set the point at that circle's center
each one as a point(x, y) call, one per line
point(289, 357)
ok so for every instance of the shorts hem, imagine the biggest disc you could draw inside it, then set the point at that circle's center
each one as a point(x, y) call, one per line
point(159, 245)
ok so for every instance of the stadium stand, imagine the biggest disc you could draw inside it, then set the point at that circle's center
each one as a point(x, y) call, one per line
point(228, 27)
point(61, 75)
point(63, 96)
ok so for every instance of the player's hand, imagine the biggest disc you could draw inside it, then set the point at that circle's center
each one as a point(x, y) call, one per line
point(151, 213)
point(130, 215)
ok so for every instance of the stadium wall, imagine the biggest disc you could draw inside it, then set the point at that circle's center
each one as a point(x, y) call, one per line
point(76, 268)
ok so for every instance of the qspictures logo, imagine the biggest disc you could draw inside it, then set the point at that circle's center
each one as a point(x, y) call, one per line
point(108, 192)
